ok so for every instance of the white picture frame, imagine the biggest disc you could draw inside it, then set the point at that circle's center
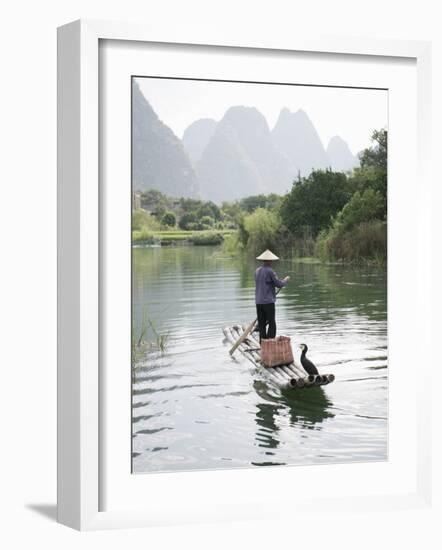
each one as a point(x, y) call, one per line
point(80, 393)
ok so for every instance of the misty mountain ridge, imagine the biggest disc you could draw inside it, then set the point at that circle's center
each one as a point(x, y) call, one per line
point(340, 156)
point(159, 160)
point(236, 157)
point(241, 159)
point(295, 135)
point(197, 136)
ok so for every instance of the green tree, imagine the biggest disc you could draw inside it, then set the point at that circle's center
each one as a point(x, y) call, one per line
point(250, 204)
point(372, 174)
point(169, 219)
point(207, 221)
point(152, 199)
point(187, 221)
point(189, 205)
point(376, 155)
point(362, 207)
point(314, 201)
point(230, 214)
point(143, 220)
point(209, 209)
point(358, 232)
point(261, 228)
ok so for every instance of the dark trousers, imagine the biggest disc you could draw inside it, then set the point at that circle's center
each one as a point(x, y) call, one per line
point(266, 320)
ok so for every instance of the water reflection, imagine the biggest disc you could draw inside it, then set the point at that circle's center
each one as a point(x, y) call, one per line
point(309, 408)
point(266, 414)
point(196, 407)
point(305, 410)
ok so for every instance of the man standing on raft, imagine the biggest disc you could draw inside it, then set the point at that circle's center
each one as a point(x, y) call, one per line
point(266, 282)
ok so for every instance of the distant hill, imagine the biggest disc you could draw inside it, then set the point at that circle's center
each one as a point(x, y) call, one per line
point(254, 134)
point(225, 170)
point(241, 159)
point(159, 160)
point(341, 158)
point(296, 137)
point(236, 157)
point(197, 136)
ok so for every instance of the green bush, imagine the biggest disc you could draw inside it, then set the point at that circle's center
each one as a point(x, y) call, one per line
point(362, 207)
point(169, 219)
point(143, 235)
point(366, 241)
point(141, 218)
point(232, 244)
point(207, 221)
point(210, 210)
point(187, 220)
point(260, 231)
point(252, 203)
point(301, 245)
point(193, 226)
point(207, 238)
point(358, 231)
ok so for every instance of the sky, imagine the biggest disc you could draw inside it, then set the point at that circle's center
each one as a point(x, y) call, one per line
point(352, 114)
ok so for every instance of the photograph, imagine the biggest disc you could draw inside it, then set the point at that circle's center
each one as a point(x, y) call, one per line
point(259, 274)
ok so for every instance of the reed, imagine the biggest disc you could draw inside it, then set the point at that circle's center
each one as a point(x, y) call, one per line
point(141, 346)
point(161, 340)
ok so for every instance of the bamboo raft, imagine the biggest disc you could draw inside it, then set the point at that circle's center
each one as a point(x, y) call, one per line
point(292, 376)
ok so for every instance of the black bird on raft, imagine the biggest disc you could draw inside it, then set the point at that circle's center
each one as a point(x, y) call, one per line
point(305, 362)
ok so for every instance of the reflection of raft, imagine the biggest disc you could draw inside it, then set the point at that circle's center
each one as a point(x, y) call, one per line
point(287, 376)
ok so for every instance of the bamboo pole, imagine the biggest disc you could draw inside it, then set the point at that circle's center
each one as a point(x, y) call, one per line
point(299, 380)
point(289, 372)
point(281, 372)
point(297, 370)
point(247, 331)
point(244, 335)
point(275, 379)
point(276, 373)
point(254, 356)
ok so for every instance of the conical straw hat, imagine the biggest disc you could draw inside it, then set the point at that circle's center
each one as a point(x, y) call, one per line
point(267, 255)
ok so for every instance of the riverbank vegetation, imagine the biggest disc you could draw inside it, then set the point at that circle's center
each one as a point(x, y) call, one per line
point(332, 216)
point(163, 220)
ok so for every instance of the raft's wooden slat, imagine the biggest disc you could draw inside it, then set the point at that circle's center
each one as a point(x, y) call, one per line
point(285, 376)
point(294, 370)
point(282, 380)
point(232, 334)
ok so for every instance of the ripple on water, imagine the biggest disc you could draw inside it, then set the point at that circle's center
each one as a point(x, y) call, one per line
point(194, 407)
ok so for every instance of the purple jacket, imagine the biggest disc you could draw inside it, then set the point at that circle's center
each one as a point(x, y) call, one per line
point(266, 281)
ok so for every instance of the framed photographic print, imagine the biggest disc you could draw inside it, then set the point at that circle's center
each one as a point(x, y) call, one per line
point(233, 294)
point(209, 197)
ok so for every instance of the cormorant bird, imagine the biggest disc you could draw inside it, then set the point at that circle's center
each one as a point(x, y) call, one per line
point(306, 363)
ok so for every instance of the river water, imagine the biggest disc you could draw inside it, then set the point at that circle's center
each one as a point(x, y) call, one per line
point(194, 407)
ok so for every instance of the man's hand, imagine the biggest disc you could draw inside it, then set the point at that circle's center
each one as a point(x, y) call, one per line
point(287, 278)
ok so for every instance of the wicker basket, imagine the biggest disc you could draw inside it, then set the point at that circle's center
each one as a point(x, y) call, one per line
point(276, 351)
